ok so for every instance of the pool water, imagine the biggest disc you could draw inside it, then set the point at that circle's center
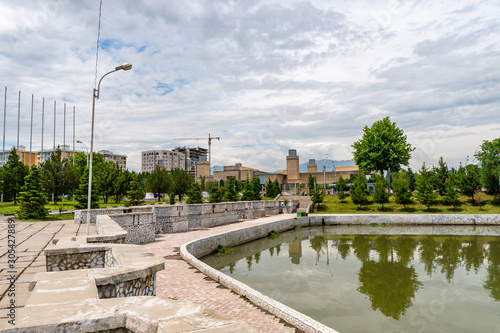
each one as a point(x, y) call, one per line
point(372, 282)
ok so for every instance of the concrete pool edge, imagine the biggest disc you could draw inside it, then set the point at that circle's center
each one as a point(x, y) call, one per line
point(200, 247)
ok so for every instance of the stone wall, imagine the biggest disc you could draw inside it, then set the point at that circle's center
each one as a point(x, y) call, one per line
point(140, 227)
point(180, 218)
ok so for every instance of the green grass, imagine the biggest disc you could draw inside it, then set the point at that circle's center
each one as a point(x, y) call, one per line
point(58, 217)
point(332, 205)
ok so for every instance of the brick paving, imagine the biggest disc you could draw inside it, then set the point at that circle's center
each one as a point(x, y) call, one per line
point(181, 281)
point(31, 240)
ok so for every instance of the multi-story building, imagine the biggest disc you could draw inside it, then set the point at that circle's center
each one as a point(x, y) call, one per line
point(192, 155)
point(24, 156)
point(66, 152)
point(118, 159)
point(167, 159)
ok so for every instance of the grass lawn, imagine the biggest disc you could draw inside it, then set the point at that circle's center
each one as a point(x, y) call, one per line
point(332, 205)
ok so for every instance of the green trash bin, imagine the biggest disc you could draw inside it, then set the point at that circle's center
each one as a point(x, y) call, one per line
point(299, 214)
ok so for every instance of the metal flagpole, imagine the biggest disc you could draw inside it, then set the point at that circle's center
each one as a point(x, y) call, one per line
point(18, 118)
point(73, 137)
point(64, 131)
point(3, 148)
point(43, 114)
point(4, 116)
point(54, 127)
point(31, 127)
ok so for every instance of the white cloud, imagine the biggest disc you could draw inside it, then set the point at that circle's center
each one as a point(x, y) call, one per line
point(265, 76)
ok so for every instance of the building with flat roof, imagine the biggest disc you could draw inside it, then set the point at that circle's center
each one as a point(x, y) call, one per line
point(290, 179)
point(167, 159)
point(192, 156)
point(118, 159)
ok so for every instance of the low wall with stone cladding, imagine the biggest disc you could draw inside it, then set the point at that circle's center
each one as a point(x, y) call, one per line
point(140, 227)
point(180, 218)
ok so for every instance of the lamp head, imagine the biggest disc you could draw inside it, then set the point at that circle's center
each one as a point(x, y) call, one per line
point(78, 141)
point(126, 66)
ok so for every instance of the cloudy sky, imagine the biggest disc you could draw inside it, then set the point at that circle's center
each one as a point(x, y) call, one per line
point(264, 76)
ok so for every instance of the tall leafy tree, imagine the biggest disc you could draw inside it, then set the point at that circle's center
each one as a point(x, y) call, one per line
point(122, 184)
point(311, 182)
point(32, 197)
point(489, 157)
point(159, 182)
point(440, 176)
point(248, 193)
point(359, 190)
point(58, 174)
point(468, 180)
point(402, 192)
point(381, 196)
point(13, 173)
point(106, 176)
point(382, 147)
point(181, 181)
point(411, 179)
point(425, 189)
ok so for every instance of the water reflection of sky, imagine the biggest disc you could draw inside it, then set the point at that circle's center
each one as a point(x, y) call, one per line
point(377, 283)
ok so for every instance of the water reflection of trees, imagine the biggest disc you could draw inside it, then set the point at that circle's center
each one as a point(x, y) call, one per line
point(387, 276)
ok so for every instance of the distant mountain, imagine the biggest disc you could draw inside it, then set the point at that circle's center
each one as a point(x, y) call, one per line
point(327, 163)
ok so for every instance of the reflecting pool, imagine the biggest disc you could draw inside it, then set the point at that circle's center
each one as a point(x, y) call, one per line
point(368, 280)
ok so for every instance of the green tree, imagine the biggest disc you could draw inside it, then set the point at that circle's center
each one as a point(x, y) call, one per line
point(311, 182)
point(381, 196)
point(214, 192)
point(468, 180)
point(14, 172)
point(248, 193)
point(159, 182)
point(172, 198)
point(32, 197)
point(135, 194)
point(58, 175)
point(341, 187)
point(272, 188)
point(450, 194)
point(489, 157)
point(425, 190)
point(122, 184)
point(359, 191)
point(82, 193)
point(440, 176)
point(230, 195)
point(402, 192)
point(382, 147)
point(317, 197)
point(194, 194)
point(411, 179)
point(256, 188)
point(106, 176)
point(181, 181)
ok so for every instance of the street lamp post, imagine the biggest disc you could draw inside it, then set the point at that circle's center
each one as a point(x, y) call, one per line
point(125, 67)
point(87, 149)
point(335, 173)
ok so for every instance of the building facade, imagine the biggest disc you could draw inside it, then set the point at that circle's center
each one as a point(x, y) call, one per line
point(118, 159)
point(192, 156)
point(290, 179)
point(167, 159)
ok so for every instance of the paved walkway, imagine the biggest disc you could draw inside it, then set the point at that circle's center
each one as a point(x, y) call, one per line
point(181, 281)
point(31, 239)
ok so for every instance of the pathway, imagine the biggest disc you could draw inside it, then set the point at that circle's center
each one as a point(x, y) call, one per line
point(181, 281)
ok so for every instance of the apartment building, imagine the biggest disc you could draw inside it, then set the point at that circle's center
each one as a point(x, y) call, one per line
point(167, 159)
point(118, 159)
point(192, 156)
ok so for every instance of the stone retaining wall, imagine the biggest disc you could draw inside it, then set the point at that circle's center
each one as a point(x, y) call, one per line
point(180, 218)
point(140, 227)
point(198, 248)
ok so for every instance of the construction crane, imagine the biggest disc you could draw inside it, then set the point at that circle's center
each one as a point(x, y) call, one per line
point(210, 138)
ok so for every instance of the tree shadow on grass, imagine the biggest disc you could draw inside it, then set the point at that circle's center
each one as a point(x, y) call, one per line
point(407, 210)
point(386, 209)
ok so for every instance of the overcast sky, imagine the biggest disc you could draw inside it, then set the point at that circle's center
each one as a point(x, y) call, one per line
point(264, 76)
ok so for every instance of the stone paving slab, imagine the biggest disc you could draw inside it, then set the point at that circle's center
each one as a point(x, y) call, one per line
point(181, 281)
point(31, 240)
